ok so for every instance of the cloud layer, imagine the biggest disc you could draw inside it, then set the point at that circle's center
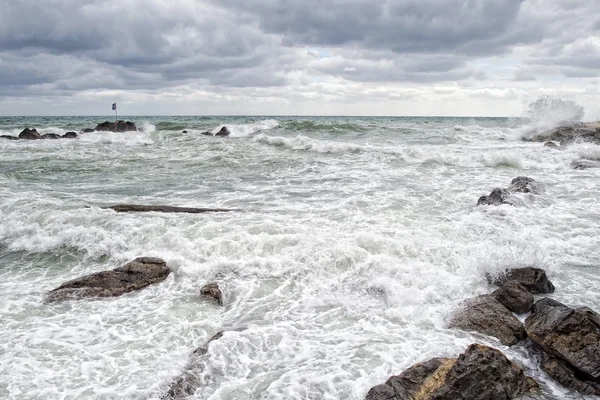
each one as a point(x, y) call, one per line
point(284, 55)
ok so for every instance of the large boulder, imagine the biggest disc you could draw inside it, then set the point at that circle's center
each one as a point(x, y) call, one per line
point(119, 126)
point(486, 315)
point(29, 134)
point(514, 297)
point(586, 132)
point(480, 373)
point(135, 275)
point(213, 291)
point(572, 336)
point(567, 376)
point(535, 280)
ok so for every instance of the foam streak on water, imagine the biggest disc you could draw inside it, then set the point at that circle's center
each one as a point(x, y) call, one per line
point(358, 238)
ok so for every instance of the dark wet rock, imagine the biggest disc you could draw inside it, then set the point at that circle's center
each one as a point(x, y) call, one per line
point(87, 130)
point(480, 373)
point(9, 137)
point(567, 376)
point(119, 126)
point(566, 135)
point(570, 335)
point(207, 133)
point(550, 144)
point(486, 315)
point(523, 184)
point(189, 381)
point(223, 132)
point(514, 297)
point(212, 290)
point(69, 135)
point(535, 280)
point(51, 136)
point(184, 131)
point(135, 275)
point(29, 134)
point(586, 164)
point(497, 197)
point(165, 209)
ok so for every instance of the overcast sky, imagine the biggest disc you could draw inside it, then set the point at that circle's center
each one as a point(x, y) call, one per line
point(292, 57)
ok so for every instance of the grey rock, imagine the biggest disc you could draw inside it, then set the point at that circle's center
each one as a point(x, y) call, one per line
point(223, 132)
point(29, 134)
point(135, 275)
point(550, 144)
point(87, 130)
point(119, 126)
point(69, 135)
point(514, 297)
point(486, 315)
point(567, 376)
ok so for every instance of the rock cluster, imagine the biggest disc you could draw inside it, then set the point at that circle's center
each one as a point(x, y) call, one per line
point(222, 132)
point(119, 126)
point(520, 184)
point(587, 132)
point(33, 134)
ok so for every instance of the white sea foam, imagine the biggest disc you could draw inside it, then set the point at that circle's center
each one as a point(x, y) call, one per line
point(548, 112)
point(243, 130)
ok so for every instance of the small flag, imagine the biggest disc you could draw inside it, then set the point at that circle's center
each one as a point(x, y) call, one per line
point(114, 106)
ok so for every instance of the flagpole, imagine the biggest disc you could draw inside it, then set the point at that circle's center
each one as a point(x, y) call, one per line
point(116, 116)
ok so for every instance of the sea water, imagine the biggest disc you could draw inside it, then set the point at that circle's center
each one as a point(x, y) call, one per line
point(356, 239)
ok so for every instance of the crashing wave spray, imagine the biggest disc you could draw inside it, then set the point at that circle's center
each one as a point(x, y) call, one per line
point(548, 112)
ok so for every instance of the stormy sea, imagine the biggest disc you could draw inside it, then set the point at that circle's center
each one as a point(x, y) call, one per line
point(352, 242)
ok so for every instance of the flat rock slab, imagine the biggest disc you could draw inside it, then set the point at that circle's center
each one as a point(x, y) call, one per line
point(485, 314)
point(135, 275)
point(480, 373)
point(570, 335)
point(165, 209)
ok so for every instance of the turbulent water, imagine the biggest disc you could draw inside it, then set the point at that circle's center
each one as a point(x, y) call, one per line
point(356, 239)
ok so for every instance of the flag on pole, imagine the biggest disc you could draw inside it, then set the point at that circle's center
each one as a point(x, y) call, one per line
point(114, 106)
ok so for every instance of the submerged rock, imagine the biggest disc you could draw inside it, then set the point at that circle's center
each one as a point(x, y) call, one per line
point(135, 275)
point(9, 137)
point(189, 381)
point(534, 279)
point(212, 290)
point(585, 164)
point(480, 373)
point(184, 131)
point(29, 134)
point(571, 337)
point(497, 197)
point(515, 297)
point(87, 130)
point(165, 209)
point(520, 184)
point(69, 135)
point(119, 126)
point(486, 315)
point(51, 136)
point(550, 144)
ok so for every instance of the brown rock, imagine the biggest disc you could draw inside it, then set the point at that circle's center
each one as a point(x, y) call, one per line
point(515, 297)
point(534, 279)
point(135, 275)
point(485, 314)
point(212, 290)
point(29, 134)
point(480, 373)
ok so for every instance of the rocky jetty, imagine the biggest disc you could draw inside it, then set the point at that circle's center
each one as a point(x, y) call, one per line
point(33, 134)
point(119, 126)
point(186, 384)
point(486, 315)
point(520, 184)
point(480, 373)
point(135, 275)
point(164, 209)
point(570, 339)
point(586, 132)
point(213, 291)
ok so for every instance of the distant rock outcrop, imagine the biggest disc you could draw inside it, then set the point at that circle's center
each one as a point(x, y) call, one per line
point(69, 135)
point(119, 126)
point(9, 137)
point(222, 132)
point(486, 315)
point(480, 373)
point(30, 134)
point(135, 275)
point(586, 132)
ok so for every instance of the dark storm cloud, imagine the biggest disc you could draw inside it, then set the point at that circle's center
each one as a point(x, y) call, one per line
point(57, 46)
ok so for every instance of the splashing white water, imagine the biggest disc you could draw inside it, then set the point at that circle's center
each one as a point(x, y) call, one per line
point(549, 112)
point(243, 130)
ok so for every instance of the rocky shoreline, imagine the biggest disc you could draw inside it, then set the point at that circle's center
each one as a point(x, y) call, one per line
point(33, 134)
